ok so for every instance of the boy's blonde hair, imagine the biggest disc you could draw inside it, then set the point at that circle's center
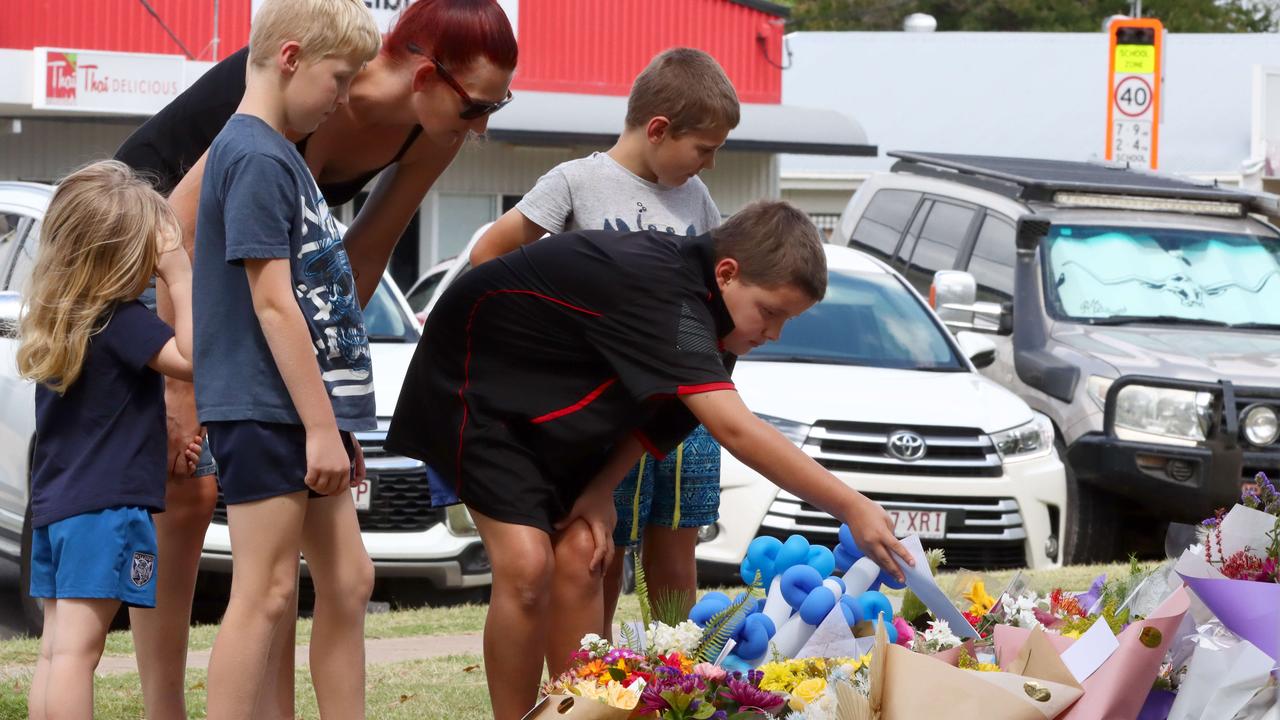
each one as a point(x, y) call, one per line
point(687, 87)
point(324, 28)
point(99, 243)
point(775, 243)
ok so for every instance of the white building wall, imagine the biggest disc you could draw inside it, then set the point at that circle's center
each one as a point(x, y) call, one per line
point(46, 149)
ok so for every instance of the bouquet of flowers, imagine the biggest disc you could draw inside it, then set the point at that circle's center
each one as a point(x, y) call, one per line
point(664, 682)
point(810, 684)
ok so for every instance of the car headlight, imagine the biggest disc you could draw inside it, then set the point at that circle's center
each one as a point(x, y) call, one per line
point(1261, 425)
point(1024, 441)
point(794, 431)
point(1097, 388)
point(1178, 414)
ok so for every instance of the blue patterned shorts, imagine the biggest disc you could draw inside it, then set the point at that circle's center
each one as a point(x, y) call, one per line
point(679, 491)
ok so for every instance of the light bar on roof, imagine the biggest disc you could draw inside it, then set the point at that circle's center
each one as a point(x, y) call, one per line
point(1140, 202)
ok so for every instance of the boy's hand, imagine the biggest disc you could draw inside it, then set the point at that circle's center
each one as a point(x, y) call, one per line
point(595, 507)
point(173, 266)
point(358, 471)
point(328, 466)
point(872, 529)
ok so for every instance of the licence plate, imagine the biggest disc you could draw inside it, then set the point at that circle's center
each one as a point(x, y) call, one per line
point(929, 524)
point(362, 494)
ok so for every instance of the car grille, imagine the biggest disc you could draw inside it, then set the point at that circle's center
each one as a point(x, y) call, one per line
point(401, 501)
point(864, 447)
point(982, 532)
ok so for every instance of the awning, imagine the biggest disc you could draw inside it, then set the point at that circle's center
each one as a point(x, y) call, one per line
point(546, 118)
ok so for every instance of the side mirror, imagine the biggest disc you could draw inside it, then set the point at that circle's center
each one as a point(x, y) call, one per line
point(980, 350)
point(10, 309)
point(951, 293)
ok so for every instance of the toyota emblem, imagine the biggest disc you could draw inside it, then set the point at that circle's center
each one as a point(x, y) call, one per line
point(906, 445)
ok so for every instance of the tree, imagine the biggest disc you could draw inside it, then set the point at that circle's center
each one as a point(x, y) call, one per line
point(1224, 16)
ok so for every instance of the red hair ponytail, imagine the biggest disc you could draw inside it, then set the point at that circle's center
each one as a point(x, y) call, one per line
point(455, 32)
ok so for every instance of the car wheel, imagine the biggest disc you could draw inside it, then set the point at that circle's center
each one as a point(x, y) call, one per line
point(1090, 532)
point(32, 608)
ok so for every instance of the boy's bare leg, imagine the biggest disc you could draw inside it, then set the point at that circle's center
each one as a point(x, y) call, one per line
point(265, 543)
point(343, 576)
point(577, 595)
point(613, 589)
point(669, 564)
point(78, 639)
point(515, 630)
point(160, 634)
point(275, 699)
point(40, 679)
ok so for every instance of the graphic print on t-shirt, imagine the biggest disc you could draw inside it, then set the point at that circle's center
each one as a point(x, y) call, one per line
point(326, 292)
point(642, 224)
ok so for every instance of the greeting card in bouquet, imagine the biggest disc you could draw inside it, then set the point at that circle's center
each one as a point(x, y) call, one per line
point(573, 707)
point(920, 580)
point(1109, 692)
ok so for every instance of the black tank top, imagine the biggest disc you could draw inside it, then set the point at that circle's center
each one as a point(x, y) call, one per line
point(172, 140)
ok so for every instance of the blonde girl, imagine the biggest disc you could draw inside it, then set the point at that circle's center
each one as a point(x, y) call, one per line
point(98, 472)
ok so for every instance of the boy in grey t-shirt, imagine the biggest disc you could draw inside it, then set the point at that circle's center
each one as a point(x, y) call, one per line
point(680, 110)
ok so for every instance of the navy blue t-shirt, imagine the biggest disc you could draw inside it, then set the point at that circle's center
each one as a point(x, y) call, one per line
point(102, 444)
point(259, 201)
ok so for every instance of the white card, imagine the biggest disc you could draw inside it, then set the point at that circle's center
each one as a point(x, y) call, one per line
point(1088, 653)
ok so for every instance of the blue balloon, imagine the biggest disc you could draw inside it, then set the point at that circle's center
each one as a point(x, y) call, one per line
point(711, 604)
point(798, 582)
point(840, 581)
point(817, 605)
point(821, 559)
point(844, 560)
point(753, 637)
point(761, 556)
point(795, 551)
point(886, 579)
point(849, 544)
point(852, 611)
point(872, 604)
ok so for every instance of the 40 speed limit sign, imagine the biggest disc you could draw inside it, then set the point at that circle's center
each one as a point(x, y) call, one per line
point(1133, 97)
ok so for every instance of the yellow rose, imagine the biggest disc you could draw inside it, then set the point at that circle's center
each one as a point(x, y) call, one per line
point(806, 692)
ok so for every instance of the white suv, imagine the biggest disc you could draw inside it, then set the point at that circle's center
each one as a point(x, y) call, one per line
point(871, 385)
point(407, 538)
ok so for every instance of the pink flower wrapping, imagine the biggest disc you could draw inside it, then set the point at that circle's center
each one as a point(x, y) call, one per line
point(1119, 687)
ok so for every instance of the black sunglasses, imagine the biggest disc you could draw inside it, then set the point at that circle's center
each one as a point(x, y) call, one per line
point(471, 108)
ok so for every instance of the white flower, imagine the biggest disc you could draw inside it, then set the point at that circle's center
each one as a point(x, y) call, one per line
point(590, 639)
point(1021, 611)
point(938, 636)
point(663, 638)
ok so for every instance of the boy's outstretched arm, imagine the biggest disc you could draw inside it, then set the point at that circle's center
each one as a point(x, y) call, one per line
point(271, 285)
point(509, 232)
point(765, 450)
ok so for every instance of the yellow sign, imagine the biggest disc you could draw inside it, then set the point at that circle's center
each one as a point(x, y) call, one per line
point(1135, 59)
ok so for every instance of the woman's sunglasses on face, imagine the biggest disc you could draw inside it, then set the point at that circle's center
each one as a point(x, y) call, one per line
point(471, 108)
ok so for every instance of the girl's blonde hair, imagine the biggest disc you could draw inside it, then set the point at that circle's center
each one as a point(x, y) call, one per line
point(99, 244)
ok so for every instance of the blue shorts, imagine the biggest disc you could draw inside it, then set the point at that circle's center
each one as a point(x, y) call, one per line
point(680, 491)
point(260, 460)
point(102, 554)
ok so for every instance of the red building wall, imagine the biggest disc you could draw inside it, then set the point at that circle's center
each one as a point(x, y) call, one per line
point(125, 25)
point(598, 46)
point(582, 46)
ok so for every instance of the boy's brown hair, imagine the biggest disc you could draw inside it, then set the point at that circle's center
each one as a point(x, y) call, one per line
point(775, 244)
point(324, 28)
point(687, 87)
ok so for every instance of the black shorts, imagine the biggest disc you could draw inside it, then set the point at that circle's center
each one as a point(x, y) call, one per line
point(259, 460)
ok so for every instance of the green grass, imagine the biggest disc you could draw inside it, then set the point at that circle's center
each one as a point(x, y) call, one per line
point(436, 689)
point(469, 618)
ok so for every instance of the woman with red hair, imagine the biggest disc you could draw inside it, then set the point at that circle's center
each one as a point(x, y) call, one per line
point(442, 70)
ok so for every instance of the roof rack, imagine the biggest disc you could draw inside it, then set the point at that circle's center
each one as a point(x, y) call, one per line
point(1041, 180)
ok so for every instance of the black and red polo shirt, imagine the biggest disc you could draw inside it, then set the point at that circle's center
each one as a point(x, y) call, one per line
point(534, 365)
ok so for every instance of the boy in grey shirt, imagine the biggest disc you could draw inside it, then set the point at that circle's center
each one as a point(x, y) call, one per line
point(680, 110)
